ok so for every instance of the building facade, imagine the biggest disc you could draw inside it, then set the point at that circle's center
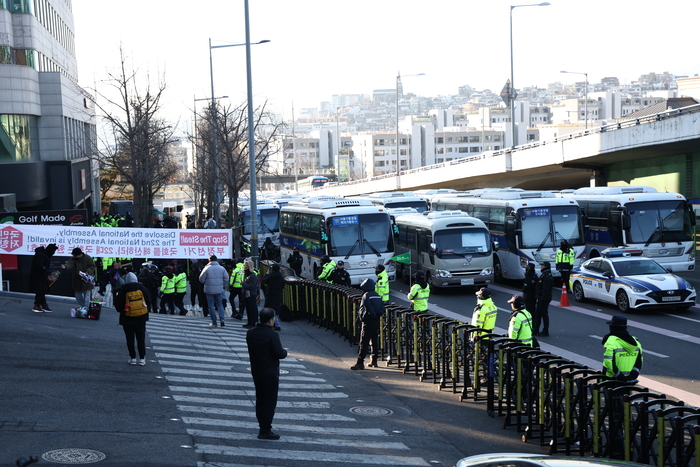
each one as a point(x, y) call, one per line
point(47, 122)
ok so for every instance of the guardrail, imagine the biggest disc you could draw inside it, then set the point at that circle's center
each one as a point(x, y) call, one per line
point(488, 154)
point(560, 404)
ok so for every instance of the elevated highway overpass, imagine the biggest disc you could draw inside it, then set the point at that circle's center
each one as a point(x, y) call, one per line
point(660, 150)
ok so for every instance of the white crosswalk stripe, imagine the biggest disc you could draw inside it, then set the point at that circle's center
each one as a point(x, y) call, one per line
point(209, 376)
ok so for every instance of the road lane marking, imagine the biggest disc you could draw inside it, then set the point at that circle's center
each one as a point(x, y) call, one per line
point(309, 417)
point(235, 392)
point(251, 403)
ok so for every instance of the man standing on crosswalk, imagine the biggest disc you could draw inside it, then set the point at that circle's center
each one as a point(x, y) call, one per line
point(265, 352)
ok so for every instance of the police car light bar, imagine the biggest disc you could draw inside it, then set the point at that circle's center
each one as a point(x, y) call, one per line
point(620, 252)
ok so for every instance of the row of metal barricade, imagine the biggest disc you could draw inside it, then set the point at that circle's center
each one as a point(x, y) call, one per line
point(566, 407)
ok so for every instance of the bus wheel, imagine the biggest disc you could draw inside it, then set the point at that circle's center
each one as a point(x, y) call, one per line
point(497, 270)
point(404, 274)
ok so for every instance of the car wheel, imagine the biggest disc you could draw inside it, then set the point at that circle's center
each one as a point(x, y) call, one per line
point(623, 301)
point(497, 270)
point(578, 292)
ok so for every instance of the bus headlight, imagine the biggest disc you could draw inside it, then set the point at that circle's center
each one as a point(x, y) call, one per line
point(443, 273)
point(486, 272)
point(391, 268)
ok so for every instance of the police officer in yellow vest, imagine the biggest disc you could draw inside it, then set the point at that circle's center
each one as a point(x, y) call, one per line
point(485, 311)
point(419, 293)
point(236, 283)
point(623, 357)
point(167, 289)
point(382, 285)
point(180, 283)
point(520, 323)
point(328, 266)
point(565, 262)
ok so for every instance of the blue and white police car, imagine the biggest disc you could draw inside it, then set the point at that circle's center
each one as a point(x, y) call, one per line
point(625, 278)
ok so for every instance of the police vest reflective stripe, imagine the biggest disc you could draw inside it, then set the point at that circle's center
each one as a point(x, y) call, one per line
point(167, 285)
point(180, 283)
point(382, 286)
point(419, 297)
point(567, 257)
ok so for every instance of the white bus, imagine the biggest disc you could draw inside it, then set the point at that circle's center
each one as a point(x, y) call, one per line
point(452, 248)
point(638, 217)
point(351, 230)
point(528, 226)
point(308, 183)
point(268, 222)
point(399, 199)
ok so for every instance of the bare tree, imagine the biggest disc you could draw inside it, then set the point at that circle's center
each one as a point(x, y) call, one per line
point(223, 131)
point(139, 139)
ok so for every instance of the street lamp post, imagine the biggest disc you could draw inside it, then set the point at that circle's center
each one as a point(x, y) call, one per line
point(251, 134)
point(512, 79)
point(398, 145)
point(585, 94)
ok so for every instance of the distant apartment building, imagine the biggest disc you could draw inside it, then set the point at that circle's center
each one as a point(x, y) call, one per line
point(47, 122)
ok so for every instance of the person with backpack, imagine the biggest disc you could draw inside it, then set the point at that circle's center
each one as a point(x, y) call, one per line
point(133, 302)
point(370, 311)
point(340, 276)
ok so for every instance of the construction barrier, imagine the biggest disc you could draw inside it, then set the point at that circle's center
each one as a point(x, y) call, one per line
point(566, 407)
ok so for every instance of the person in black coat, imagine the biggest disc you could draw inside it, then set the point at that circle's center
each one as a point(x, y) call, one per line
point(530, 288)
point(370, 312)
point(273, 285)
point(251, 287)
point(149, 278)
point(265, 351)
point(544, 296)
point(39, 276)
point(296, 261)
point(134, 326)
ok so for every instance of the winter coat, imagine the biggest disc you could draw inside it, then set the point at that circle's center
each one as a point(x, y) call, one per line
point(84, 264)
point(214, 277)
point(251, 284)
point(273, 284)
point(38, 276)
point(544, 286)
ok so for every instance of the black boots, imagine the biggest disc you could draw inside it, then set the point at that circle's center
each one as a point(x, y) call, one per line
point(360, 365)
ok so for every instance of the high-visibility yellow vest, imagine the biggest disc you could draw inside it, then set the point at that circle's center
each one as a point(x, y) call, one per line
point(419, 297)
point(520, 327)
point(237, 276)
point(180, 283)
point(167, 285)
point(382, 286)
point(485, 317)
point(327, 271)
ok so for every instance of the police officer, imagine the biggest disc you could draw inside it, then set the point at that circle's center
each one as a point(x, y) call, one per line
point(382, 285)
point(328, 267)
point(623, 356)
point(520, 323)
point(340, 276)
point(236, 290)
point(485, 311)
point(544, 296)
point(167, 289)
point(565, 262)
point(419, 293)
point(180, 281)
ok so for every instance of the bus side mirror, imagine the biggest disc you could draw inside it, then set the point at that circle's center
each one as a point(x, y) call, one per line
point(495, 245)
point(626, 221)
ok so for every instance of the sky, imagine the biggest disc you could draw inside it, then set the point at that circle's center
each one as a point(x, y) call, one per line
point(319, 48)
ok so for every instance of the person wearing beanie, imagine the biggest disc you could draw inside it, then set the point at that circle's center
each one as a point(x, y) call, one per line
point(39, 276)
point(132, 301)
point(370, 313)
point(520, 322)
point(623, 356)
point(419, 293)
point(273, 286)
point(544, 296)
point(565, 262)
point(382, 285)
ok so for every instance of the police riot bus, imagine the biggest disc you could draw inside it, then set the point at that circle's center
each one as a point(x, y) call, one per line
point(452, 248)
point(399, 199)
point(314, 181)
point(268, 222)
point(528, 227)
point(661, 225)
point(352, 230)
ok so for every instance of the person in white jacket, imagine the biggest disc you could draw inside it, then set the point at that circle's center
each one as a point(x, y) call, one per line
point(215, 279)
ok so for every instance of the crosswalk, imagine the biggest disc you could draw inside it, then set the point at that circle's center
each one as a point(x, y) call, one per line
point(208, 373)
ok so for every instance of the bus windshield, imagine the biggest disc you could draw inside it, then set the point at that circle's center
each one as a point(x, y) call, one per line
point(268, 221)
point(548, 226)
point(461, 242)
point(360, 234)
point(659, 221)
point(420, 206)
